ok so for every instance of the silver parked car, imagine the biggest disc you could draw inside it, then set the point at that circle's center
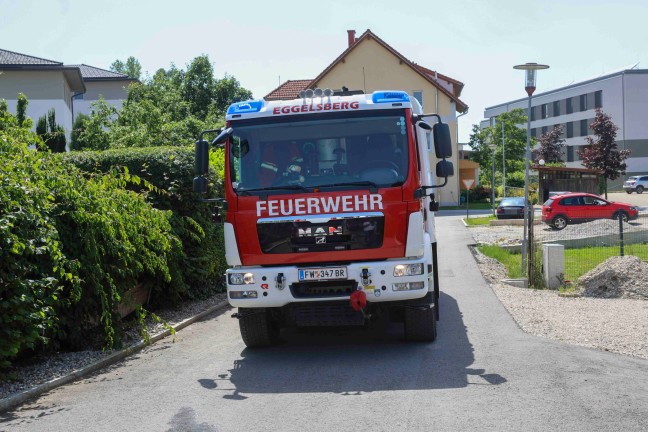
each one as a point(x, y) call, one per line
point(636, 184)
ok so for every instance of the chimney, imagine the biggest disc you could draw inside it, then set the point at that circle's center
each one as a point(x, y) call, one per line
point(351, 37)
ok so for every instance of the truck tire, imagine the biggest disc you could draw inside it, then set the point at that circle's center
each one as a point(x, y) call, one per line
point(258, 329)
point(420, 324)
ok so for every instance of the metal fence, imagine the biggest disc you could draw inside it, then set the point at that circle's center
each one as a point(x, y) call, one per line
point(590, 243)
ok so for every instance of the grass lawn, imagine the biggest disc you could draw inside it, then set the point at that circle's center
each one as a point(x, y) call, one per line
point(577, 261)
point(580, 261)
point(479, 220)
point(512, 261)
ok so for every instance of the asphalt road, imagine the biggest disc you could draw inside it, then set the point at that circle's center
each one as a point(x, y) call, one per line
point(482, 373)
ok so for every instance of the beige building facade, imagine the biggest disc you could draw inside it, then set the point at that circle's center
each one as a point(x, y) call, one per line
point(369, 64)
point(48, 84)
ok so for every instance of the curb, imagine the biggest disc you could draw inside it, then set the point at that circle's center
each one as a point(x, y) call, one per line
point(20, 397)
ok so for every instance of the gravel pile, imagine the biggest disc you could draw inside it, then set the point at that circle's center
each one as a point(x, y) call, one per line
point(47, 367)
point(612, 324)
point(617, 277)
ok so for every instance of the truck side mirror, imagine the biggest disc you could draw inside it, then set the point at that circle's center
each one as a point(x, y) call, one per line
point(201, 161)
point(442, 140)
point(445, 169)
point(200, 185)
point(201, 166)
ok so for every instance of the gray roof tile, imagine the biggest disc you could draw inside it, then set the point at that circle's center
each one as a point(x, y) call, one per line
point(17, 59)
point(91, 72)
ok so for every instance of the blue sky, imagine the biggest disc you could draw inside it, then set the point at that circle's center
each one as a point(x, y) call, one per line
point(261, 42)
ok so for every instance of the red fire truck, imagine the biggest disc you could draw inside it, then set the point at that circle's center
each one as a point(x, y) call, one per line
point(329, 211)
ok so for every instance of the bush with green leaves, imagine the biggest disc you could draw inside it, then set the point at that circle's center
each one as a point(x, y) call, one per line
point(71, 246)
point(33, 269)
point(198, 271)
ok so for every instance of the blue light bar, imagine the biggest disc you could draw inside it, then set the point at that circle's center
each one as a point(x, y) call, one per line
point(389, 96)
point(245, 107)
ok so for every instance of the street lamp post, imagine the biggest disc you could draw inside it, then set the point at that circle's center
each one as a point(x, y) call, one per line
point(530, 86)
point(492, 146)
point(503, 159)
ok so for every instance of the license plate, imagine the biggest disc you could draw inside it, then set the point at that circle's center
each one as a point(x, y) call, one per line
point(324, 273)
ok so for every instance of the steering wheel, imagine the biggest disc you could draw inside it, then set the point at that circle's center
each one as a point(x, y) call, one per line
point(381, 163)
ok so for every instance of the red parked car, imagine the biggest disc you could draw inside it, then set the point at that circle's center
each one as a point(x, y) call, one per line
point(573, 208)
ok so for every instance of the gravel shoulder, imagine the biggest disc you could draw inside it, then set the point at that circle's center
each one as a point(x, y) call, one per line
point(618, 325)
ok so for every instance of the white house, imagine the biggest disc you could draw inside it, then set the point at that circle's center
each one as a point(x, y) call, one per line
point(48, 84)
point(623, 95)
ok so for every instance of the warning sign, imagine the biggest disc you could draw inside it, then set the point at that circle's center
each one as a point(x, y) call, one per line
point(468, 183)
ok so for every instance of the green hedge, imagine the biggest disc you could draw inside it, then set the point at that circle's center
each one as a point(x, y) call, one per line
point(170, 170)
point(70, 246)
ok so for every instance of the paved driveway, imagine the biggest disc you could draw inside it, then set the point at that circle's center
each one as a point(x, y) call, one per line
point(483, 373)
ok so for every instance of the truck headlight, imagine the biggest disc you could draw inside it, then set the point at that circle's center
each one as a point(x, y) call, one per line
point(241, 278)
point(408, 269)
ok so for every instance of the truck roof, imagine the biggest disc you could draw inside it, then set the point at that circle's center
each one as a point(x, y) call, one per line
point(378, 100)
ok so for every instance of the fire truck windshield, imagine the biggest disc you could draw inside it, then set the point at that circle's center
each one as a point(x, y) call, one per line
point(314, 151)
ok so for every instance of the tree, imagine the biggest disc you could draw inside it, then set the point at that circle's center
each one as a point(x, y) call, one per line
point(514, 146)
point(551, 145)
point(132, 67)
point(198, 87)
point(77, 130)
point(52, 134)
point(21, 110)
point(94, 133)
point(602, 153)
point(228, 91)
point(169, 108)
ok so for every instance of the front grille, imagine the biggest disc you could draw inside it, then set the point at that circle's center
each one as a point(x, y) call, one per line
point(327, 289)
point(311, 235)
point(309, 315)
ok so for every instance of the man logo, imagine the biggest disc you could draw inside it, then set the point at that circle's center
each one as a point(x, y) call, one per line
point(319, 231)
point(320, 240)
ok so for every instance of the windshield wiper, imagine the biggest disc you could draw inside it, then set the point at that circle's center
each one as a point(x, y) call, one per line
point(263, 191)
point(373, 187)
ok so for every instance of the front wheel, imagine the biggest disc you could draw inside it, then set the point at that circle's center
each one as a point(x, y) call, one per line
point(420, 324)
point(629, 191)
point(258, 329)
point(621, 215)
point(559, 222)
point(640, 189)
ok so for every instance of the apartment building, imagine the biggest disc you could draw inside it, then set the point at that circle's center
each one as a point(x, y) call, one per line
point(623, 95)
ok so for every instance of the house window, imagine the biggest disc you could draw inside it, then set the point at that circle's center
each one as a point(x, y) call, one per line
point(598, 99)
point(570, 129)
point(533, 113)
point(570, 105)
point(418, 95)
point(570, 154)
point(583, 127)
point(583, 102)
point(534, 132)
point(78, 96)
point(545, 129)
point(556, 108)
point(544, 111)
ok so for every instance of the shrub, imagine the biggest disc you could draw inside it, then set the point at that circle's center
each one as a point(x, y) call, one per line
point(72, 244)
point(197, 272)
point(32, 264)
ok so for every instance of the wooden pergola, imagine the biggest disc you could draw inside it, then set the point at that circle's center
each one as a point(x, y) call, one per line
point(563, 179)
